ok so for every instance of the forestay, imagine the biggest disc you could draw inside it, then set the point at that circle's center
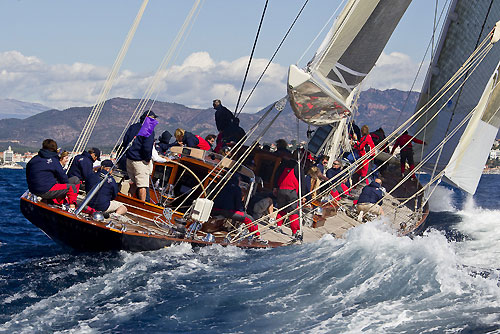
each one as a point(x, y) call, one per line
point(320, 95)
point(465, 27)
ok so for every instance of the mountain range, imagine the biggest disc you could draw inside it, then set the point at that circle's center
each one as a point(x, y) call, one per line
point(10, 108)
point(376, 108)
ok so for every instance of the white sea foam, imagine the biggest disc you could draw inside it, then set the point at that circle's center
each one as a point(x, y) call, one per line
point(441, 199)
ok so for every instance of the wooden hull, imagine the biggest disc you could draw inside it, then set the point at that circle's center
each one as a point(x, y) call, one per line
point(88, 235)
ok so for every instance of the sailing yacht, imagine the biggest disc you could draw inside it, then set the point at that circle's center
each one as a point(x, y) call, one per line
point(183, 188)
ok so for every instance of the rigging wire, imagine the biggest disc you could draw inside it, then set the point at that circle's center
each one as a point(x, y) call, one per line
point(251, 56)
point(430, 46)
point(321, 31)
point(89, 125)
point(272, 57)
point(160, 74)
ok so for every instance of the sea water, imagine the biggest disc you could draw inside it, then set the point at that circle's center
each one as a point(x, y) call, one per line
point(445, 281)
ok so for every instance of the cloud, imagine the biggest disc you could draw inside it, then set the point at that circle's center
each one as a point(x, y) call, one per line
point(395, 70)
point(194, 83)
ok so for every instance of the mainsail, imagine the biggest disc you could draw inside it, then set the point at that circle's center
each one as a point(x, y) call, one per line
point(320, 94)
point(462, 157)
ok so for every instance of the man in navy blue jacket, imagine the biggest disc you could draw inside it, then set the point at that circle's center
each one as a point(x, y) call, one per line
point(139, 165)
point(104, 199)
point(371, 194)
point(229, 204)
point(46, 177)
point(83, 165)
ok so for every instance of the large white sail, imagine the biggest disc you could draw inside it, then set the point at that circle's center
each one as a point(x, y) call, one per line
point(465, 27)
point(319, 95)
point(468, 159)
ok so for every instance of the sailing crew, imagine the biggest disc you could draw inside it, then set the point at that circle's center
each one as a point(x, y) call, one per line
point(406, 153)
point(211, 140)
point(47, 179)
point(341, 189)
point(104, 199)
point(370, 199)
point(139, 165)
point(64, 158)
point(364, 146)
point(164, 145)
point(185, 138)
point(286, 190)
point(83, 165)
point(282, 149)
point(228, 126)
point(229, 204)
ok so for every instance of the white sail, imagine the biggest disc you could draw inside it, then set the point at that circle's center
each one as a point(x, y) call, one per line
point(467, 162)
point(465, 27)
point(320, 94)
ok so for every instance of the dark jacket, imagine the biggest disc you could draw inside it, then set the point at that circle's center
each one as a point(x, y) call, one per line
point(332, 172)
point(44, 171)
point(230, 197)
point(106, 194)
point(223, 117)
point(142, 147)
point(371, 193)
point(82, 166)
point(164, 143)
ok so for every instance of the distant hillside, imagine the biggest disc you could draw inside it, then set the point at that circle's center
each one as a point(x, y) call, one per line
point(10, 108)
point(376, 108)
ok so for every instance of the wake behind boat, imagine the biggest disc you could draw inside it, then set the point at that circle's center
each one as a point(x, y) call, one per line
point(183, 189)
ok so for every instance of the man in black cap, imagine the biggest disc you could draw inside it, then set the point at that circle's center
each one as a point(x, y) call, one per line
point(104, 199)
point(83, 164)
point(139, 165)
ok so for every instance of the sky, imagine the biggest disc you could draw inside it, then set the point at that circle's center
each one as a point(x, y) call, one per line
point(59, 53)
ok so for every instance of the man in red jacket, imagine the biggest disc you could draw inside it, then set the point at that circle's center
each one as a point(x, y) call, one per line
point(406, 153)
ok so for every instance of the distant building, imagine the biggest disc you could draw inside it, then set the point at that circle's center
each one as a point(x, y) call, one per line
point(8, 156)
point(494, 154)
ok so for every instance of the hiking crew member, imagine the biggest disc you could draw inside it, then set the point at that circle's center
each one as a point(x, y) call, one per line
point(104, 199)
point(83, 165)
point(47, 179)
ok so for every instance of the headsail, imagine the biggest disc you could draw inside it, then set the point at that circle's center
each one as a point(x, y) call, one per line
point(468, 159)
point(465, 27)
point(320, 94)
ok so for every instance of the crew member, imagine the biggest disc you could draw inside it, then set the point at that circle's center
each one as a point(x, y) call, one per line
point(82, 165)
point(370, 199)
point(139, 165)
point(406, 153)
point(229, 204)
point(364, 146)
point(286, 189)
point(185, 138)
point(47, 179)
point(104, 199)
